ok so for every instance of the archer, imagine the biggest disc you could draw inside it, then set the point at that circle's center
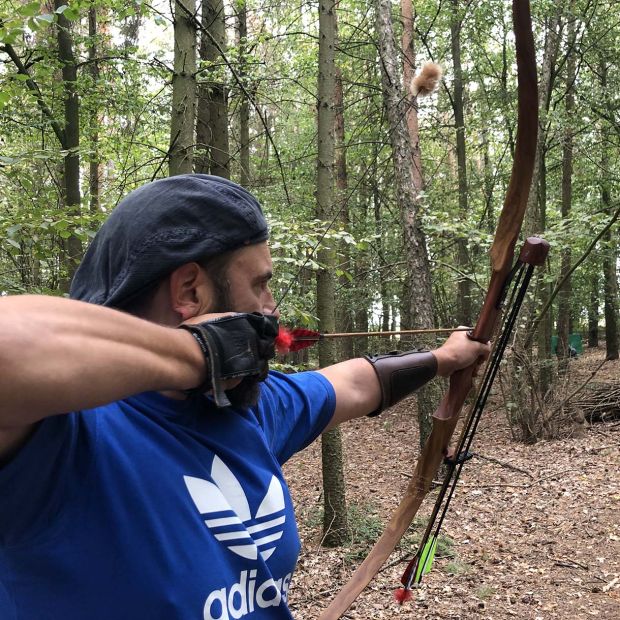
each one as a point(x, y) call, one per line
point(141, 463)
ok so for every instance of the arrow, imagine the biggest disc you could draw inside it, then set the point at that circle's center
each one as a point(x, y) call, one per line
point(291, 340)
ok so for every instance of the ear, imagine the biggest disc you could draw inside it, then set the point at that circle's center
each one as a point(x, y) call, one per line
point(190, 291)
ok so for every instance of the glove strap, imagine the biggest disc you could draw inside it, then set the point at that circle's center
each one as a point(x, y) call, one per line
point(201, 335)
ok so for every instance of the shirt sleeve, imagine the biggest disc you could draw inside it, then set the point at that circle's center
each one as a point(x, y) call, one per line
point(294, 410)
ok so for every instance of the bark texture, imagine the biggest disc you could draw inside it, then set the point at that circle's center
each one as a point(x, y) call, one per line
point(420, 302)
point(181, 151)
point(464, 313)
point(244, 106)
point(212, 142)
point(71, 142)
point(94, 166)
point(564, 296)
point(335, 525)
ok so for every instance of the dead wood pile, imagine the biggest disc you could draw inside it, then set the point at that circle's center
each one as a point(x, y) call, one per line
point(599, 402)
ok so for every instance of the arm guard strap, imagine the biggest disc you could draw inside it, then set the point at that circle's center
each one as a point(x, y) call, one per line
point(400, 374)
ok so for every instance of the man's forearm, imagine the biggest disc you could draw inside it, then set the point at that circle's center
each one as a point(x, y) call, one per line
point(59, 355)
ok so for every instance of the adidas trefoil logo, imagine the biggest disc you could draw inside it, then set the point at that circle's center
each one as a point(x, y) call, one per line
point(228, 515)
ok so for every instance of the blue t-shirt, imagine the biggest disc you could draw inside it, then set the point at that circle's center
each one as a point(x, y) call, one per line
point(153, 508)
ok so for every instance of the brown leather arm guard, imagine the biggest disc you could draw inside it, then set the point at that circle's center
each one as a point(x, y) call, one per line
point(400, 374)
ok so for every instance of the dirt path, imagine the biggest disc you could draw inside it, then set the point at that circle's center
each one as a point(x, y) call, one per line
point(536, 529)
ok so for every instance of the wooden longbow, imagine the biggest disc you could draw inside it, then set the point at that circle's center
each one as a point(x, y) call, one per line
point(502, 254)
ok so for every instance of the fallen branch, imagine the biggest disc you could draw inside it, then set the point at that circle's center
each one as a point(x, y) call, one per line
point(569, 564)
point(503, 464)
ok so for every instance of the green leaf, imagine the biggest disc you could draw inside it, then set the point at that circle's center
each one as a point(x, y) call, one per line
point(71, 13)
point(45, 18)
point(30, 10)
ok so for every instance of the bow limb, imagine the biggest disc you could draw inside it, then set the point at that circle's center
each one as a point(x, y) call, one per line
point(502, 253)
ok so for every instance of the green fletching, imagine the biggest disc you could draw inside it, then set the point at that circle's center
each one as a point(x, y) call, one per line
point(426, 559)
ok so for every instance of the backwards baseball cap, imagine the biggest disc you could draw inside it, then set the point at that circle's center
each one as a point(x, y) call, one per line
point(161, 226)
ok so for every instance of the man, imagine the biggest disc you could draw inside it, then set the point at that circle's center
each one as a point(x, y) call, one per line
point(140, 472)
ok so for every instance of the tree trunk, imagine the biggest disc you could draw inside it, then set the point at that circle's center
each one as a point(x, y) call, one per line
point(94, 170)
point(610, 247)
point(344, 317)
point(593, 310)
point(407, 196)
point(71, 145)
point(181, 151)
point(564, 295)
point(488, 184)
point(408, 18)
point(464, 316)
point(383, 283)
point(335, 525)
point(244, 106)
point(213, 151)
point(536, 214)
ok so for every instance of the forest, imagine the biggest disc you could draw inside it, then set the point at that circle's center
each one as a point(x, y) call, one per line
point(379, 138)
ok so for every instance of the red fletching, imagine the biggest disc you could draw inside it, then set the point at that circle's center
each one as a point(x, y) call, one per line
point(284, 340)
point(291, 340)
point(402, 595)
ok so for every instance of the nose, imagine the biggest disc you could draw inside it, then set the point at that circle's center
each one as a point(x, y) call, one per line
point(270, 305)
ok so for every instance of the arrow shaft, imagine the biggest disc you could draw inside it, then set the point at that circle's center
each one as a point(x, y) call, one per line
point(440, 330)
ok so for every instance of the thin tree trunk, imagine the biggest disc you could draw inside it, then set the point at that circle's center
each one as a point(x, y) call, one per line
point(213, 150)
point(181, 152)
point(94, 171)
point(488, 183)
point(593, 309)
point(344, 312)
point(464, 316)
point(71, 166)
point(420, 298)
point(407, 41)
point(335, 525)
point(536, 214)
point(383, 284)
point(610, 248)
point(244, 106)
point(564, 296)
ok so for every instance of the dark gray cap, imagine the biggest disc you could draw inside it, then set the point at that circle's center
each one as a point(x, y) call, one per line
point(161, 226)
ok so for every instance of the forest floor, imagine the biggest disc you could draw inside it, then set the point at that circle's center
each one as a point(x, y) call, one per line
point(533, 531)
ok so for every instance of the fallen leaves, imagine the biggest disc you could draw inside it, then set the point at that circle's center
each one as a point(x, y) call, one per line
point(535, 528)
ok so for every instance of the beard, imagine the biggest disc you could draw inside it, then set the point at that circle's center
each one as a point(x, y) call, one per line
point(246, 393)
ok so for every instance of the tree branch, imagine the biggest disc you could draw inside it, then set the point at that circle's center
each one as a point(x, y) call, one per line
point(32, 85)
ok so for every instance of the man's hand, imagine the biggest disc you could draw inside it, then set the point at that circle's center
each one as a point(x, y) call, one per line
point(235, 346)
point(460, 351)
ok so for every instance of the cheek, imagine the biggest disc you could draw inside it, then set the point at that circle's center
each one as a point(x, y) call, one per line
point(246, 299)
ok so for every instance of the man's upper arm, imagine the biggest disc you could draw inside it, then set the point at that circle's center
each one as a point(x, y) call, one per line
point(357, 389)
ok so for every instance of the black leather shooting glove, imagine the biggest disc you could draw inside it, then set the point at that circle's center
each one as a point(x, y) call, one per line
point(235, 346)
